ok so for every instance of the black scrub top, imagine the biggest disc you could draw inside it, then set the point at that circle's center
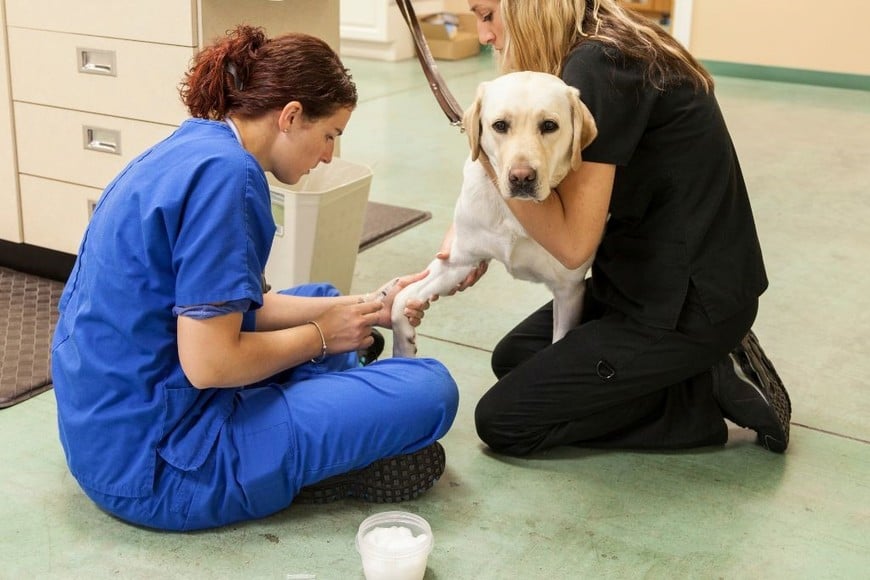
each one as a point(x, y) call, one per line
point(679, 212)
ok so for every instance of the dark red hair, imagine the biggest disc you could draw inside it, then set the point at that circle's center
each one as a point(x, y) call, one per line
point(247, 74)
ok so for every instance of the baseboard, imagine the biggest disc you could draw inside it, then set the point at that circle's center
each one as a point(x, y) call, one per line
point(37, 261)
point(788, 75)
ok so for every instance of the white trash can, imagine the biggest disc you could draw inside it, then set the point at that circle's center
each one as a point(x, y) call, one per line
point(319, 224)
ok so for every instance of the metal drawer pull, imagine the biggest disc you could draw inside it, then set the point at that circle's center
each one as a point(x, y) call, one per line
point(96, 62)
point(102, 140)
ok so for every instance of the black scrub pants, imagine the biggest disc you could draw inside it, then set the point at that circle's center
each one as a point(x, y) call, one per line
point(612, 382)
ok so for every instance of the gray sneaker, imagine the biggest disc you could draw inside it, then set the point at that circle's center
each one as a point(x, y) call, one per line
point(750, 393)
point(390, 480)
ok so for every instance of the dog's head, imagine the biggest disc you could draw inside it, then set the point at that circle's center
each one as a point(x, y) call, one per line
point(532, 127)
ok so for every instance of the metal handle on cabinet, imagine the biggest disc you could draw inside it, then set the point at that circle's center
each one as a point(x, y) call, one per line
point(97, 62)
point(102, 140)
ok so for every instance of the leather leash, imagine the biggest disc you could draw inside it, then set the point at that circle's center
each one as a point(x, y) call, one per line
point(439, 88)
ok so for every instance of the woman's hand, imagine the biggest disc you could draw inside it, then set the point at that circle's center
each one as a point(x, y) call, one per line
point(386, 294)
point(473, 276)
point(348, 327)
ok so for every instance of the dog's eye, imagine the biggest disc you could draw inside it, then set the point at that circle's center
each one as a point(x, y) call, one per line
point(500, 126)
point(549, 126)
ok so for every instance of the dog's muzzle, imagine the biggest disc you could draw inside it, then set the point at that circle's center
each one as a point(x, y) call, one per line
point(523, 182)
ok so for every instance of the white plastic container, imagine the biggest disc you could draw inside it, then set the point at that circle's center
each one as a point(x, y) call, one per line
point(320, 222)
point(394, 546)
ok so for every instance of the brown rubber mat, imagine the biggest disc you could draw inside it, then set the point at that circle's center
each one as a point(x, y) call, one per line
point(383, 221)
point(28, 314)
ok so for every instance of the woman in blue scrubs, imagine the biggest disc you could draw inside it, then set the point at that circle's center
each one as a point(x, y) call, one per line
point(188, 397)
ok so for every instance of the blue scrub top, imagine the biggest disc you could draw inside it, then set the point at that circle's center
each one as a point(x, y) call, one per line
point(188, 222)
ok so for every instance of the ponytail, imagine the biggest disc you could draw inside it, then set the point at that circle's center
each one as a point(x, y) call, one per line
point(247, 74)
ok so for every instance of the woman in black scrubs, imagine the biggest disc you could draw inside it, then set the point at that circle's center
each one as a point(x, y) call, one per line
point(664, 353)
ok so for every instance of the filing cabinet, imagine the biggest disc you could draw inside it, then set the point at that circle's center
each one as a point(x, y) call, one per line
point(92, 83)
point(10, 214)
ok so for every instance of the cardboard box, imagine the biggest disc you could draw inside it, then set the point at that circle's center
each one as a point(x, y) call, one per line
point(451, 36)
point(320, 222)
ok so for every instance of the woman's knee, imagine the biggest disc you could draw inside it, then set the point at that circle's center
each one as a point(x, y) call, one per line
point(484, 421)
point(427, 395)
point(439, 383)
point(498, 434)
point(422, 387)
point(504, 357)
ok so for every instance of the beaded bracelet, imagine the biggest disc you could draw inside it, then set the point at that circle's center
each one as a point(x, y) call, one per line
point(322, 356)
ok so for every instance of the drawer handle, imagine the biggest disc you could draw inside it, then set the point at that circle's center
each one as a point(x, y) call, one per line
point(96, 62)
point(102, 140)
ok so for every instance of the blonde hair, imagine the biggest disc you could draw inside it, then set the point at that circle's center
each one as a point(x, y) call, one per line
point(541, 33)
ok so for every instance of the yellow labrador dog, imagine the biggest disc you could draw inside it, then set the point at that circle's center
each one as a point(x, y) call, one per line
point(526, 131)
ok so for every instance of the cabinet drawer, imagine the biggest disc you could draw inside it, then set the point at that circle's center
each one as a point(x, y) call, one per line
point(165, 21)
point(79, 147)
point(122, 78)
point(55, 214)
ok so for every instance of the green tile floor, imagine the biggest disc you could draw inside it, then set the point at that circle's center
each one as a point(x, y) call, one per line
point(738, 512)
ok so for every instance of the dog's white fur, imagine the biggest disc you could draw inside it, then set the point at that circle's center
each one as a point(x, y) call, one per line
point(532, 127)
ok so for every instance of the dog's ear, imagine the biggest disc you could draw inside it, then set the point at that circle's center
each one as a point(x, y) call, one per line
point(585, 129)
point(471, 122)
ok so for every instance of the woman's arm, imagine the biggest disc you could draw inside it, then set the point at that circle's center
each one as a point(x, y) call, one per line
point(570, 222)
point(214, 353)
point(283, 311)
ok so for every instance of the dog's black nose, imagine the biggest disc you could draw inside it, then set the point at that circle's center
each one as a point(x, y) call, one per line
point(522, 175)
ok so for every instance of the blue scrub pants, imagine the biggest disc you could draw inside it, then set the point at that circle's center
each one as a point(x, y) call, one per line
point(320, 420)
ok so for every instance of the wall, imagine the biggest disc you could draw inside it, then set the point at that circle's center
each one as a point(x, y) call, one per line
point(456, 5)
point(829, 35)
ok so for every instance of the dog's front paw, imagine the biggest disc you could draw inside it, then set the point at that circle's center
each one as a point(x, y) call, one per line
point(404, 333)
point(404, 346)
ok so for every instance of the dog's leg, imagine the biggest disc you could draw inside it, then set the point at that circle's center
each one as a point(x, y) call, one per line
point(567, 309)
point(443, 277)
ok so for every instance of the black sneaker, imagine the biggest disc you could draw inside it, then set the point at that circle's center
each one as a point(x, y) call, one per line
point(371, 354)
point(391, 480)
point(751, 394)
